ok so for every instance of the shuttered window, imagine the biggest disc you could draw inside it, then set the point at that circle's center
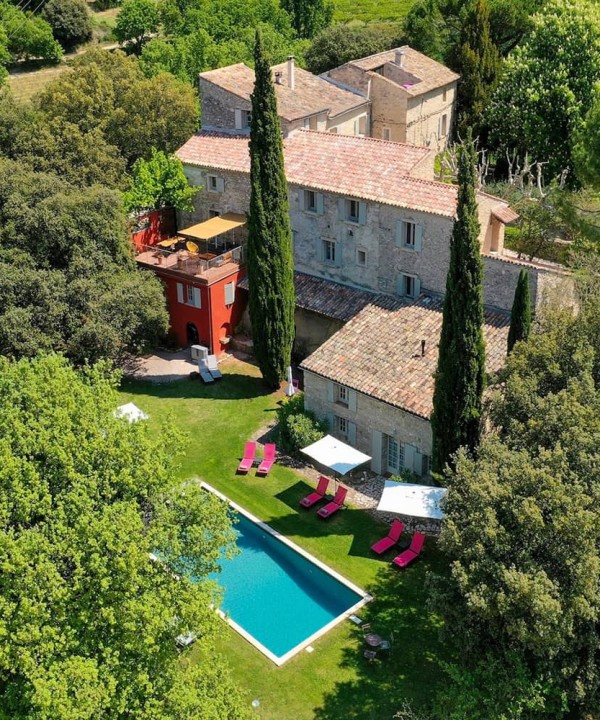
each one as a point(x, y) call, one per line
point(229, 293)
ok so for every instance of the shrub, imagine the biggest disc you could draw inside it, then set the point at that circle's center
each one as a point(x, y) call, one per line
point(298, 427)
point(69, 20)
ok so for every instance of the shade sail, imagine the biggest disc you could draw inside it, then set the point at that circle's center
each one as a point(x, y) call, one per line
point(213, 227)
point(415, 500)
point(335, 454)
point(131, 412)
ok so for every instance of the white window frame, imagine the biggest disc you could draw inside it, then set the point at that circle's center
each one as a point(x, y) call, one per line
point(394, 450)
point(329, 248)
point(192, 296)
point(342, 395)
point(341, 426)
point(358, 254)
point(386, 133)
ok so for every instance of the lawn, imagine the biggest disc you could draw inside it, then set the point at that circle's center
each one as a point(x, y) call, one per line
point(334, 682)
point(371, 10)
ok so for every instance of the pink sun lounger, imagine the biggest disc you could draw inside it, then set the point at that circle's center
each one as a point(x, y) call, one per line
point(318, 494)
point(391, 538)
point(268, 460)
point(248, 459)
point(335, 504)
point(412, 553)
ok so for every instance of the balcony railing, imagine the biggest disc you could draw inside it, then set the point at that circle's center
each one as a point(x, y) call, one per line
point(190, 263)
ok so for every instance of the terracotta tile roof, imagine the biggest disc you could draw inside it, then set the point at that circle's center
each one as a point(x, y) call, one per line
point(378, 353)
point(349, 165)
point(505, 214)
point(328, 298)
point(310, 95)
point(425, 73)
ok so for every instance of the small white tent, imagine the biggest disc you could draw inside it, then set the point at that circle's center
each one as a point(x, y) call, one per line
point(415, 500)
point(131, 412)
point(335, 454)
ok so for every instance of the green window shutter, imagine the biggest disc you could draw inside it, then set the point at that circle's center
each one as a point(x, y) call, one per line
point(400, 284)
point(418, 463)
point(238, 119)
point(409, 456)
point(320, 203)
point(320, 249)
point(417, 287)
point(330, 391)
point(341, 208)
point(352, 434)
point(400, 232)
point(302, 199)
point(362, 213)
point(339, 248)
point(376, 451)
point(352, 400)
point(220, 184)
point(179, 292)
point(331, 421)
point(418, 237)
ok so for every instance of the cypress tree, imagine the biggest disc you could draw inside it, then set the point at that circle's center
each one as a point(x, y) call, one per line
point(478, 62)
point(270, 259)
point(460, 375)
point(520, 314)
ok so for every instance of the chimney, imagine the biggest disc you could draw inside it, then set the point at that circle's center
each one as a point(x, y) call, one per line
point(400, 58)
point(291, 73)
point(422, 348)
point(278, 77)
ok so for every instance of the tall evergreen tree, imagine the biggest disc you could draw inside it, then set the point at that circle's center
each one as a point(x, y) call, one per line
point(270, 257)
point(478, 62)
point(460, 375)
point(520, 315)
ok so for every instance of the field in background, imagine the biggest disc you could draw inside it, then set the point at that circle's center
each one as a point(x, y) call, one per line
point(370, 10)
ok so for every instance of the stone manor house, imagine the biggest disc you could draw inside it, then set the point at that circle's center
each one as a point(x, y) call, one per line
point(371, 236)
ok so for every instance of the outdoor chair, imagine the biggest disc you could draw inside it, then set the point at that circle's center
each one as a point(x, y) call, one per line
point(205, 373)
point(370, 655)
point(412, 552)
point(390, 540)
point(318, 494)
point(268, 460)
point(248, 459)
point(335, 505)
point(213, 368)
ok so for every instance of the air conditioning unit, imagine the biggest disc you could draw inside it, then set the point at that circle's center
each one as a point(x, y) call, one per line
point(199, 352)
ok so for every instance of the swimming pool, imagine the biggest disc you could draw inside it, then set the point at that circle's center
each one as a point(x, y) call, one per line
point(278, 596)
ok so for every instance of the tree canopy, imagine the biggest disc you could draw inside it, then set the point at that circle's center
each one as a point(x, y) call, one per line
point(136, 21)
point(89, 620)
point(308, 16)
point(547, 86)
point(70, 21)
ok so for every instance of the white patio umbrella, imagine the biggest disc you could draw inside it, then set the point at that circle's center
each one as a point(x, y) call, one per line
point(290, 389)
point(131, 412)
point(335, 454)
point(415, 500)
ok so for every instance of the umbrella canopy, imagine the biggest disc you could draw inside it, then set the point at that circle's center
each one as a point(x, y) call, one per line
point(415, 500)
point(335, 454)
point(131, 412)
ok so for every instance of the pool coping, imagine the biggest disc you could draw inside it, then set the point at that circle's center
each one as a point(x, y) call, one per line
point(281, 660)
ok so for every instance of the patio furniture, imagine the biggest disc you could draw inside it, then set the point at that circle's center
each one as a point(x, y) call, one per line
point(412, 552)
point(248, 459)
point(370, 655)
point(318, 494)
point(213, 368)
point(373, 640)
point(205, 373)
point(335, 505)
point(268, 460)
point(390, 540)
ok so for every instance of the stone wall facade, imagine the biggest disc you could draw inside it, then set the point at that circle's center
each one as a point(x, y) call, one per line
point(373, 420)
point(425, 123)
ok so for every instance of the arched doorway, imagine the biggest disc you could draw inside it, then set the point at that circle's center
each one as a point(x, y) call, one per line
point(192, 334)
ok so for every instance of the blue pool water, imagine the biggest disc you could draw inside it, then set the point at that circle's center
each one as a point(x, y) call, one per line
point(275, 594)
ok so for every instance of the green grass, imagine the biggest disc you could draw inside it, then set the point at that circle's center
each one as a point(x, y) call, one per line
point(371, 10)
point(334, 682)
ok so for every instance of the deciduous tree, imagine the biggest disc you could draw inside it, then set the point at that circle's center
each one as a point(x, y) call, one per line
point(309, 16)
point(270, 258)
point(90, 619)
point(159, 182)
point(460, 375)
point(70, 21)
point(136, 21)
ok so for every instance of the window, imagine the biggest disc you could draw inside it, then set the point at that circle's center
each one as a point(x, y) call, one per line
point(395, 455)
point(378, 70)
point(408, 285)
point(246, 118)
point(362, 125)
point(342, 395)
point(329, 254)
point(243, 118)
point(313, 122)
point(409, 234)
point(444, 126)
point(361, 257)
point(333, 130)
point(214, 183)
point(341, 426)
point(352, 210)
point(188, 295)
point(213, 213)
point(229, 293)
point(310, 201)
point(445, 95)
point(386, 134)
